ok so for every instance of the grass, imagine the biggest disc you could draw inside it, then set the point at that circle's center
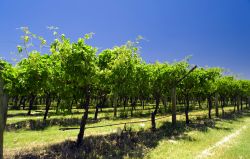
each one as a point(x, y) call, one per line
point(197, 141)
point(140, 142)
point(238, 148)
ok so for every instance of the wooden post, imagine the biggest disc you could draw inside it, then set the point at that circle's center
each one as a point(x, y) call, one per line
point(3, 115)
point(173, 94)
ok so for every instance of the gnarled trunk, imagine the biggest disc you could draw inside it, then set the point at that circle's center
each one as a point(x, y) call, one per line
point(24, 102)
point(133, 104)
point(3, 116)
point(153, 114)
point(248, 101)
point(209, 106)
point(32, 99)
point(98, 105)
point(199, 102)
point(216, 105)
point(238, 104)
point(114, 103)
point(164, 102)
point(223, 105)
point(21, 101)
point(15, 103)
point(173, 94)
point(96, 111)
point(125, 103)
point(84, 118)
point(241, 103)
point(143, 104)
point(235, 103)
point(48, 103)
point(187, 108)
point(57, 104)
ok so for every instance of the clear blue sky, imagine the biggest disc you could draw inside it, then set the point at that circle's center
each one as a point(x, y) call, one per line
point(214, 32)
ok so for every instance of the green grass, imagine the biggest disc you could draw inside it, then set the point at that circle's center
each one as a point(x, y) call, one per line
point(196, 141)
point(188, 142)
point(238, 148)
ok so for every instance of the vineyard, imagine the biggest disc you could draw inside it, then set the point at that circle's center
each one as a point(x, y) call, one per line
point(75, 101)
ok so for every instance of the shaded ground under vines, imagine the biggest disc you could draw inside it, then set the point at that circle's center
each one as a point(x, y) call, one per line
point(127, 144)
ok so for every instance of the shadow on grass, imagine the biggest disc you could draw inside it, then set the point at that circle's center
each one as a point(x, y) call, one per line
point(39, 124)
point(42, 125)
point(139, 112)
point(23, 114)
point(235, 116)
point(128, 144)
point(41, 113)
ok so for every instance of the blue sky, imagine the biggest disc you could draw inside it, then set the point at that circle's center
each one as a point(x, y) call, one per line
point(214, 32)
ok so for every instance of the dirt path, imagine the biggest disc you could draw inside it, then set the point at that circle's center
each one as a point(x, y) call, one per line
point(210, 151)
